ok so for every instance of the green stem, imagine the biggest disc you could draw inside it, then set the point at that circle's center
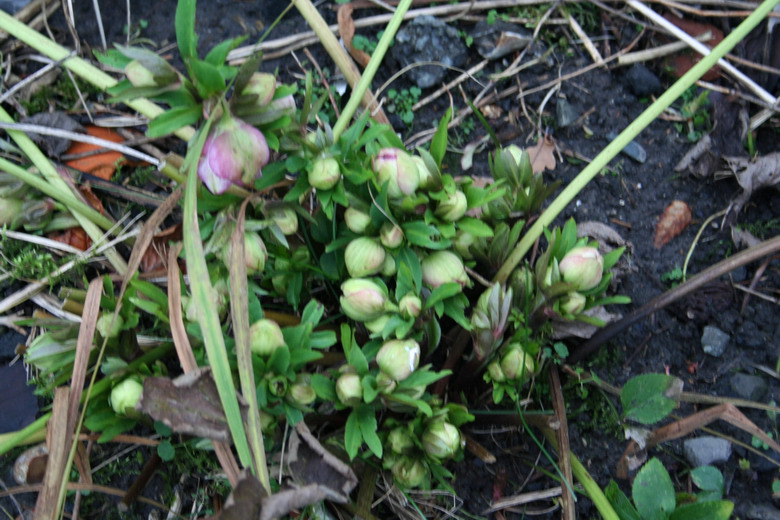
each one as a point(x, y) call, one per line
point(373, 65)
point(10, 441)
point(625, 137)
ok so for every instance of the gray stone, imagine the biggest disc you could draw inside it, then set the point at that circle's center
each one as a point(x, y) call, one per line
point(703, 451)
point(499, 38)
point(633, 149)
point(565, 114)
point(714, 341)
point(748, 386)
point(763, 512)
point(429, 39)
point(642, 81)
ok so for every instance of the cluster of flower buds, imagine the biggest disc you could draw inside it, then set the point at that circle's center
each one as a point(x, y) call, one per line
point(582, 267)
point(234, 154)
point(515, 365)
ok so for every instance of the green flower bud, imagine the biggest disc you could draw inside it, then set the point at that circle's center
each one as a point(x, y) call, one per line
point(301, 392)
point(582, 267)
point(495, 372)
point(396, 168)
point(349, 390)
point(516, 152)
point(364, 256)
point(462, 244)
point(357, 221)
point(277, 385)
point(9, 210)
point(300, 256)
point(441, 440)
point(389, 267)
point(443, 267)
point(377, 325)
point(573, 303)
point(410, 306)
point(363, 300)
point(138, 75)
point(267, 422)
point(400, 441)
point(265, 336)
point(517, 364)
point(427, 179)
point(391, 235)
point(385, 383)
point(125, 396)
point(409, 472)
point(453, 207)
point(255, 254)
point(398, 358)
point(325, 173)
point(262, 85)
point(108, 327)
point(285, 218)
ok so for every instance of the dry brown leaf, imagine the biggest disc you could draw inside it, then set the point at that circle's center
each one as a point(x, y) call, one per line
point(579, 329)
point(674, 219)
point(542, 154)
point(347, 32)
point(753, 175)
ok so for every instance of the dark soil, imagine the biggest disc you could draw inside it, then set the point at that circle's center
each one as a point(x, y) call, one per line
point(629, 197)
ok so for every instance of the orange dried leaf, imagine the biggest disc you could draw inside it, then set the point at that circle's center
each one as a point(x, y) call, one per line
point(347, 32)
point(74, 237)
point(101, 165)
point(541, 154)
point(674, 219)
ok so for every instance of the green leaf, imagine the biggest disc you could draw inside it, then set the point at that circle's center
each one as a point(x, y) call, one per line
point(441, 293)
point(280, 361)
point(620, 502)
point(352, 436)
point(313, 313)
point(173, 119)
point(653, 491)
point(166, 451)
point(475, 226)
point(354, 355)
point(439, 141)
point(718, 510)
point(218, 54)
point(272, 174)
point(207, 78)
point(162, 429)
point(646, 398)
point(368, 428)
point(112, 58)
point(186, 37)
point(710, 479)
point(324, 387)
point(409, 258)
point(423, 377)
point(421, 234)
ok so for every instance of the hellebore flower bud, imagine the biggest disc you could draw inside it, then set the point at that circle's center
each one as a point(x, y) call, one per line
point(9, 210)
point(286, 219)
point(410, 306)
point(453, 207)
point(125, 396)
point(265, 337)
point(398, 358)
point(255, 254)
point(363, 300)
point(400, 441)
point(234, 153)
point(443, 267)
point(277, 385)
point(517, 364)
point(441, 440)
point(389, 267)
point(364, 256)
point(426, 177)
point(108, 327)
point(573, 303)
point(262, 85)
point(385, 383)
point(582, 267)
point(301, 392)
point(516, 152)
point(391, 235)
point(378, 325)
point(409, 472)
point(463, 242)
point(325, 173)
point(396, 168)
point(138, 75)
point(495, 372)
point(357, 221)
point(348, 389)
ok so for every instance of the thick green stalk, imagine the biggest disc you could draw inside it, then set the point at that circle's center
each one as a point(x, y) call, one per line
point(631, 131)
point(53, 178)
point(373, 65)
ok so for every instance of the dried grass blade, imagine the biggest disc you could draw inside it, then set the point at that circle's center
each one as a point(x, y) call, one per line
point(58, 437)
point(202, 294)
point(239, 310)
point(569, 500)
point(187, 358)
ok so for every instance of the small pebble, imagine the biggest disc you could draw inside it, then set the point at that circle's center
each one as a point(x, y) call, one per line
point(714, 341)
point(703, 451)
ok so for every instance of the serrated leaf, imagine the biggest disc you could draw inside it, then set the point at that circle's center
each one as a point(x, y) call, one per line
point(646, 398)
point(653, 491)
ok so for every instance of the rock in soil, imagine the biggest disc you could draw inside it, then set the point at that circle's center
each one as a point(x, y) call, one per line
point(642, 81)
point(748, 386)
point(703, 451)
point(714, 341)
point(429, 39)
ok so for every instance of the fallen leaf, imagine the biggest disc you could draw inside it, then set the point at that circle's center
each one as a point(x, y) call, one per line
point(53, 146)
point(347, 33)
point(541, 154)
point(754, 175)
point(674, 219)
point(154, 257)
point(579, 329)
point(189, 404)
point(74, 237)
point(102, 164)
point(682, 62)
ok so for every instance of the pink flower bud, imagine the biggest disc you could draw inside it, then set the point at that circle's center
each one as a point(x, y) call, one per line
point(391, 235)
point(396, 168)
point(234, 153)
point(363, 300)
point(443, 267)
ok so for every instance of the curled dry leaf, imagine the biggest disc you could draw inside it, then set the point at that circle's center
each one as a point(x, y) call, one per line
point(30, 466)
point(542, 154)
point(606, 236)
point(347, 32)
point(102, 164)
point(674, 219)
point(188, 404)
point(753, 175)
point(579, 329)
